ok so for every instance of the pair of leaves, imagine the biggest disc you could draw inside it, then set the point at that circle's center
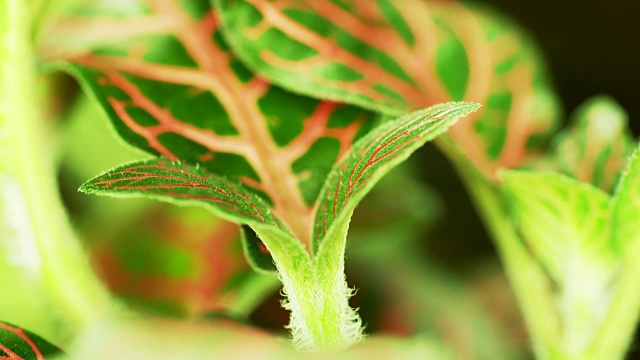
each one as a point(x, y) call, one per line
point(230, 141)
point(398, 55)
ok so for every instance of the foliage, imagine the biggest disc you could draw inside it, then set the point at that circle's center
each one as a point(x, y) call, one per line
point(278, 117)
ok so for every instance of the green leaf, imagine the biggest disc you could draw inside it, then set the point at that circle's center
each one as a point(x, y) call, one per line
point(179, 183)
point(626, 209)
point(594, 149)
point(17, 344)
point(564, 222)
point(397, 56)
point(173, 88)
point(375, 155)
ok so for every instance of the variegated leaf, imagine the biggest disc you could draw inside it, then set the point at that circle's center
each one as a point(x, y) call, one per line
point(172, 261)
point(375, 155)
point(20, 344)
point(172, 181)
point(170, 86)
point(399, 55)
point(595, 148)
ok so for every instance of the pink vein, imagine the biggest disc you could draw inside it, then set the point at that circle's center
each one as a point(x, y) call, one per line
point(24, 337)
point(414, 61)
point(331, 51)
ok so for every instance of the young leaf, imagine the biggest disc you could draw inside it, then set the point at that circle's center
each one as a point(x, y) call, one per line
point(171, 87)
point(564, 221)
point(396, 56)
point(596, 146)
point(171, 181)
point(375, 155)
point(20, 344)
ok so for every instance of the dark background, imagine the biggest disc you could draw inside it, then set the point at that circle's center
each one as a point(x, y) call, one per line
point(591, 47)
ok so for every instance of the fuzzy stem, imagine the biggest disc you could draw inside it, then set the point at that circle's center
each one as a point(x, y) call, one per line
point(317, 293)
point(68, 284)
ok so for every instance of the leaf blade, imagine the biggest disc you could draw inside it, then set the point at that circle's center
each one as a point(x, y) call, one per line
point(406, 55)
point(170, 181)
point(373, 156)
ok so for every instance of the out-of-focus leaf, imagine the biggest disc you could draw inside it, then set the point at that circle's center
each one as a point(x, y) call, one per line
point(20, 344)
point(594, 149)
point(567, 224)
point(399, 55)
point(564, 221)
point(140, 340)
point(176, 261)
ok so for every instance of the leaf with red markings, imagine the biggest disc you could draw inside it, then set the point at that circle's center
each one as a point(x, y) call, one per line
point(375, 155)
point(171, 261)
point(179, 183)
point(396, 56)
point(170, 86)
point(20, 344)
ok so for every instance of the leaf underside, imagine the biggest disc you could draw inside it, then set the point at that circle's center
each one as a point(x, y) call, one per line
point(399, 55)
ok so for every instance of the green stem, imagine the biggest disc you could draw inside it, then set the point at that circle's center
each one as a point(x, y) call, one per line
point(317, 294)
point(531, 286)
point(71, 288)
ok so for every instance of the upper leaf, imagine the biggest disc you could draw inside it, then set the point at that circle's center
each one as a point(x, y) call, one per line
point(565, 222)
point(171, 87)
point(20, 344)
point(399, 55)
point(594, 149)
point(375, 155)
